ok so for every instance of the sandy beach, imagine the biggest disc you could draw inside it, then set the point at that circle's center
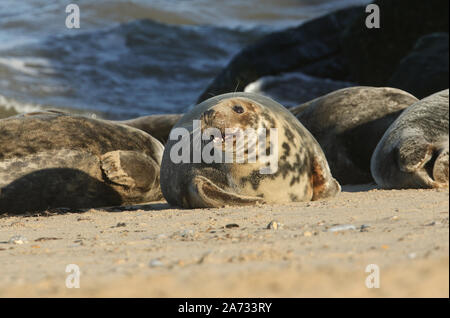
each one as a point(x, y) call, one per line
point(319, 248)
point(367, 79)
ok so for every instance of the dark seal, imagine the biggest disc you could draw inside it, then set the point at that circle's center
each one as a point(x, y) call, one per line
point(52, 159)
point(413, 152)
point(349, 123)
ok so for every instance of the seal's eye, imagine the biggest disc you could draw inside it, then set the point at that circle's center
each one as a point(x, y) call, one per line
point(238, 109)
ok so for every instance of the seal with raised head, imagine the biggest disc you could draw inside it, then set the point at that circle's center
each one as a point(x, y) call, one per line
point(349, 123)
point(53, 159)
point(413, 152)
point(294, 167)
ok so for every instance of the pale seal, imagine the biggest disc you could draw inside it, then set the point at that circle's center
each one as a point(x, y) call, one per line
point(348, 124)
point(52, 159)
point(301, 172)
point(413, 152)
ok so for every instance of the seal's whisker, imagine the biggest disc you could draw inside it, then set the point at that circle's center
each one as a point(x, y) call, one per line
point(237, 85)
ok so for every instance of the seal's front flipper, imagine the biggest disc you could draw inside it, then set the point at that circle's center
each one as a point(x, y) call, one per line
point(205, 194)
point(440, 168)
point(413, 154)
point(324, 185)
point(428, 163)
point(137, 173)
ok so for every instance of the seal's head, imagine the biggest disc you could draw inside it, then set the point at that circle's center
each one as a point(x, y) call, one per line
point(236, 112)
point(233, 117)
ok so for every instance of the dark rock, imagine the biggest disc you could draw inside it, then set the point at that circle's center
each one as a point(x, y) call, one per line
point(312, 48)
point(373, 54)
point(424, 70)
point(231, 226)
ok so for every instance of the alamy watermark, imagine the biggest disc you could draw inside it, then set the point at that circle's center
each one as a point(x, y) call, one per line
point(228, 146)
point(373, 19)
point(73, 279)
point(373, 279)
point(73, 17)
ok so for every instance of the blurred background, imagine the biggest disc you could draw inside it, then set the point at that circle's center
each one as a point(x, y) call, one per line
point(136, 57)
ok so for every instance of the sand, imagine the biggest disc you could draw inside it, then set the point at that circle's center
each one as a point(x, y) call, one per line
point(154, 250)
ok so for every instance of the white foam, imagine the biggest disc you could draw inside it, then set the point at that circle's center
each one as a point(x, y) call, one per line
point(29, 66)
point(19, 107)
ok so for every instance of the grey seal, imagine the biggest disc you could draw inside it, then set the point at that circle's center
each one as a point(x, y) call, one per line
point(158, 126)
point(302, 172)
point(413, 152)
point(349, 123)
point(53, 159)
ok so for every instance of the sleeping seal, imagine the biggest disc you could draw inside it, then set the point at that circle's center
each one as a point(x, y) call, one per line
point(349, 123)
point(413, 152)
point(52, 159)
point(158, 126)
point(210, 157)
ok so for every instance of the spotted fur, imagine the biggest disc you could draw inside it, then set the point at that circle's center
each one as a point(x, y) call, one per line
point(303, 173)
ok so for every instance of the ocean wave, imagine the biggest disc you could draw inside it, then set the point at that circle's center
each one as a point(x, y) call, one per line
point(11, 107)
point(133, 57)
point(130, 69)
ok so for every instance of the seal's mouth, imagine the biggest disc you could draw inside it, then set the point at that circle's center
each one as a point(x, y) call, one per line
point(225, 134)
point(223, 137)
point(218, 139)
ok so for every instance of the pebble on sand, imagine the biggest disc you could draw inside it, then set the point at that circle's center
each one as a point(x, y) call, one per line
point(412, 255)
point(274, 225)
point(187, 233)
point(18, 239)
point(364, 228)
point(343, 227)
point(155, 263)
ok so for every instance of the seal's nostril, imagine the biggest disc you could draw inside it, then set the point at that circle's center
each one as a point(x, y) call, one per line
point(238, 109)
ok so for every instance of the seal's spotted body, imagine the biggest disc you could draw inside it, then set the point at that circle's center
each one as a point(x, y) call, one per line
point(414, 151)
point(302, 173)
point(53, 159)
